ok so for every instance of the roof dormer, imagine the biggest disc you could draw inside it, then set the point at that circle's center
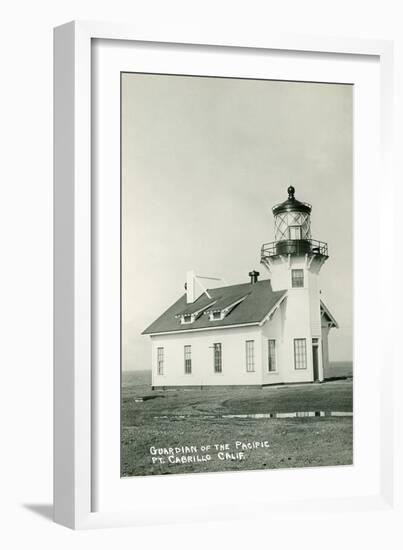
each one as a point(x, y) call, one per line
point(192, 312)
point(221, 308)
point(187, 318)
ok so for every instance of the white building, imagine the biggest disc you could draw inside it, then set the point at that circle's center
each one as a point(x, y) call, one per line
point(257, 333)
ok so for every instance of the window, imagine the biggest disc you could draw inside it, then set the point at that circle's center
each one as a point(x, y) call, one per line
point(294, 232)
point(217, 358)
point(271, 357)
point(160, 361)
point(250, 356)
point(216, 315)
point(188, 359)
point(187, 318)
point(297, 278)
point(300, 353)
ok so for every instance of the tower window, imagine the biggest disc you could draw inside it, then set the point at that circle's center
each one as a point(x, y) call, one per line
point(271, 365)
point(297, 278)
point(217, 358)
point(250, 355)
point(160, 361)
point(188, 359)
point(295, 232)
point(300, 353)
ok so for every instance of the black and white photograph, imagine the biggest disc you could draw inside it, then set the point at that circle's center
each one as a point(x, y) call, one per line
point(236, 274)
point(201, 275)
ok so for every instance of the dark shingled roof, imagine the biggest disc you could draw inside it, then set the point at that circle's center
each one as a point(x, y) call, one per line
point(260, 299)
point(196, 306)
point(226, 301)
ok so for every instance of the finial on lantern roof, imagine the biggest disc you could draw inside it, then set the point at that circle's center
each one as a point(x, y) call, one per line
point(291, 204)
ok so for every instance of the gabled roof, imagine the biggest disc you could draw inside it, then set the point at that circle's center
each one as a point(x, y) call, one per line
point(260, 300)
point(325, 312)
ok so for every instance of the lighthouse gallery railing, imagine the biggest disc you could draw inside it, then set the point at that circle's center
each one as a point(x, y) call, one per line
point(300, 246)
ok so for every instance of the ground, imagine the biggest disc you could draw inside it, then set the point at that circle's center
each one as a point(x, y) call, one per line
point(197, 418)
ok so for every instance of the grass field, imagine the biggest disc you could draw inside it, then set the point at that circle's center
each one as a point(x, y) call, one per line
point(196, 419)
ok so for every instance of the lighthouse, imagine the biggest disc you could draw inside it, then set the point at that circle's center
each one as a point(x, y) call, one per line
point(294, 261)
point(256, 332)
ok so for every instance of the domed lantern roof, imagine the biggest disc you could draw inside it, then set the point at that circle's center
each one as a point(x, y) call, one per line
point(291, 204)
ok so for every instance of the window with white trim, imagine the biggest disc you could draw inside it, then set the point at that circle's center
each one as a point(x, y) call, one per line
point(300, 362)
point(217, 358)
point(188, 359)
point(297, 278)
point(250, 355)
point(160, 361)
point(271, 356)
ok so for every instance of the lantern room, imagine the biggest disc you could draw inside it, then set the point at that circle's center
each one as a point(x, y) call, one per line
point(292, 219)
point(292, 230)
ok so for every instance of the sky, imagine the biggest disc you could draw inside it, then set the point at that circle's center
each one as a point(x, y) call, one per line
point(203, 162)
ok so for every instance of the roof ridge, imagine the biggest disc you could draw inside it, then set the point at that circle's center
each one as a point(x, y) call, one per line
point(247, 283)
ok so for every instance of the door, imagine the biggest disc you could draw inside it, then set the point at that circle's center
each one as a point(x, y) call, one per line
point(315, 358)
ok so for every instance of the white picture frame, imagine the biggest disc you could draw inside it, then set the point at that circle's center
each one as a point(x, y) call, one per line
point(77, 473)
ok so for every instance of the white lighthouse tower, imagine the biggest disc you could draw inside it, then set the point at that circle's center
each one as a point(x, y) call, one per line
point(294, 261)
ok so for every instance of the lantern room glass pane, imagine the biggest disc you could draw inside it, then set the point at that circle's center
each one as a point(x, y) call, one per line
point(286, 220)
